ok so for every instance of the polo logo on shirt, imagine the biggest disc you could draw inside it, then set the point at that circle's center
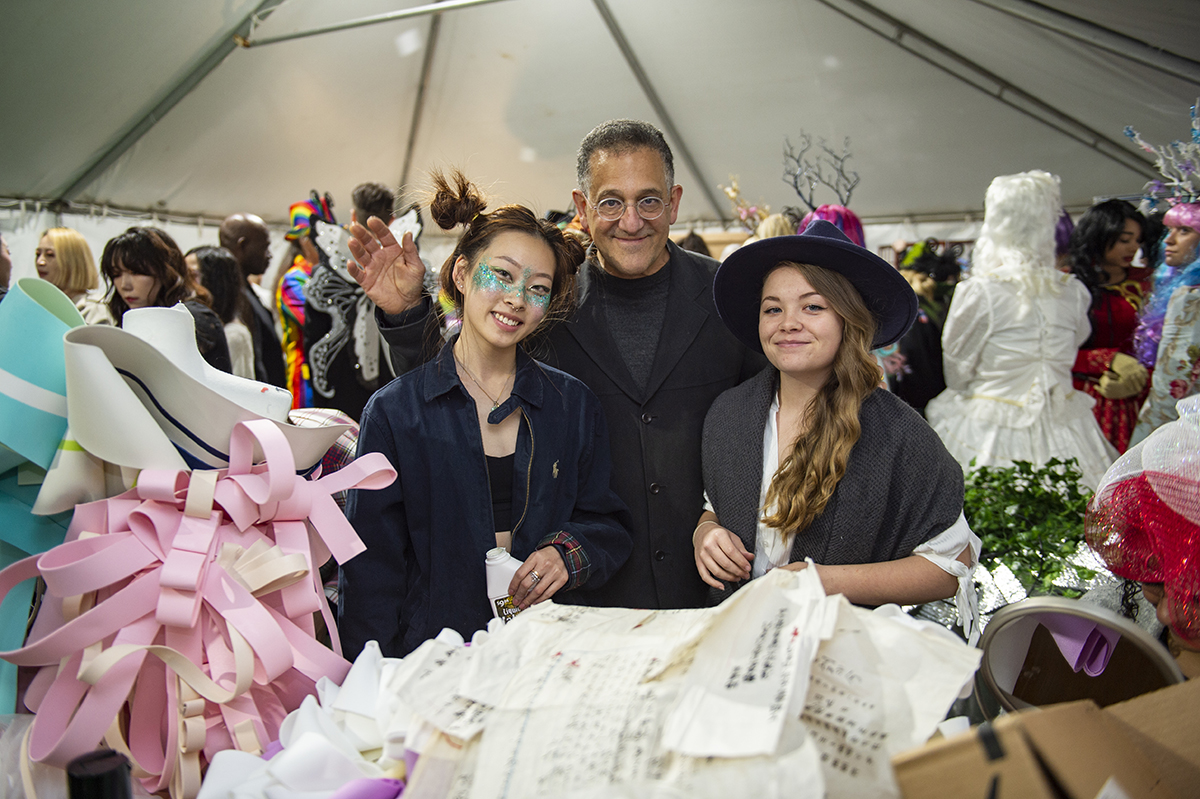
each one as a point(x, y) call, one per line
point(555, 470)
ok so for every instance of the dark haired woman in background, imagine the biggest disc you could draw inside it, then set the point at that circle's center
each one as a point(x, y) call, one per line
point(1103, 247)
point(218, 272)
point(144, 268)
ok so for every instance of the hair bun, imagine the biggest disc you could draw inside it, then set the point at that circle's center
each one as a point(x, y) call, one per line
point(456, 201)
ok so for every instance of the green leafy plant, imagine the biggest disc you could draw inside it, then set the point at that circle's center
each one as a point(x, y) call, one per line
point(1031, 520)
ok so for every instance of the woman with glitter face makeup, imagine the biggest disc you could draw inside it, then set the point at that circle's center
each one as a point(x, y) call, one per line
point(492, 448)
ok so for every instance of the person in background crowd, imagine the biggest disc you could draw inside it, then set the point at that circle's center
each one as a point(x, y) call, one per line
point(345, 358)
point(1103, 247)
point(246, 236)
point(144, 269)
point(842, 218)
point(1062, 241)
point(491, 448)
point(694, 242)
point(932, 275)
point(1152, 242)
point(289, 298)
point(221, 276)
point(1011, 334)
point(774, 225)
point(1168, 335)
point(645, 339)
point(372, 200)
point(834, 479)
point(5, 267)
point(65, 259)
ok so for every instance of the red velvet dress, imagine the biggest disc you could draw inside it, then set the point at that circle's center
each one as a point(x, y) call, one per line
point(1113, 319)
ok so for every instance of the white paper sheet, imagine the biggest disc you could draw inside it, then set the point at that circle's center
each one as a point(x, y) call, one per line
point(432, 690)
point(739, 686)
point(877, 687)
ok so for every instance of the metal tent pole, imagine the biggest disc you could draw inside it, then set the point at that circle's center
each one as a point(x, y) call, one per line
point(706, 186)
point(1100, 37)
point(406, 13)
point(953, 63)
point(170, 98)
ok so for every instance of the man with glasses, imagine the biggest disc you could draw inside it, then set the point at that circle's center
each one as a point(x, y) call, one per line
point(646, 340)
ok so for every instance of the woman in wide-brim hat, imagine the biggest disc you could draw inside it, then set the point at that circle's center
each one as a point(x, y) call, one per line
point(810, 459)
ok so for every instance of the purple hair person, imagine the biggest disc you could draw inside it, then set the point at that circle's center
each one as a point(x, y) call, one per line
point(1182, 223)
point(1062, 233)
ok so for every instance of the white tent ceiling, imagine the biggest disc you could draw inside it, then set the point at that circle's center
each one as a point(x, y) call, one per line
point(95, 103)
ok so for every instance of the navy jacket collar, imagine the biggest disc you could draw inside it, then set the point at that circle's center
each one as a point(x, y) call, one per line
point(527, 388)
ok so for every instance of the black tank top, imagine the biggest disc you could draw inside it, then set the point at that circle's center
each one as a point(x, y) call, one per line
point(500, 476)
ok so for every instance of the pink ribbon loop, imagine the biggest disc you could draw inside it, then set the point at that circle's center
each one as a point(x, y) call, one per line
point(89, 564)
point(198, 591)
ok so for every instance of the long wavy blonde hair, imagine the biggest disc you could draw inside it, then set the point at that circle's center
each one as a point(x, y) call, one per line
point(806, 479)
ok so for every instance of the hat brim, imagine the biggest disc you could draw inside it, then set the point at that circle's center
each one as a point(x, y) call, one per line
point(737, 287)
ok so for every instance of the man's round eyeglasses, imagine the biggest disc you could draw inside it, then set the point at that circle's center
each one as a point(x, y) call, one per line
point(610, 209)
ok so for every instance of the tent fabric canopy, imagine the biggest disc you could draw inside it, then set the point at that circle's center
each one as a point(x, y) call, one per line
point(506, 90)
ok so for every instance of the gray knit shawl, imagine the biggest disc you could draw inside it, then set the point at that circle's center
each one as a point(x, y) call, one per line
point(901, 486)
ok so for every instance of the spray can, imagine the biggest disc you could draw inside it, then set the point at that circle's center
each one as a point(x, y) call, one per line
point(501, 567)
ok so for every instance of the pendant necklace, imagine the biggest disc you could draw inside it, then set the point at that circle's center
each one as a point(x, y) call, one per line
point(495, 400)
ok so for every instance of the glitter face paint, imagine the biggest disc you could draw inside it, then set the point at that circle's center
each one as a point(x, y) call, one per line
point(501, 280)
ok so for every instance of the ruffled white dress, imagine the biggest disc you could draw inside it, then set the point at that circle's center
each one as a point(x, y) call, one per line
point(1008, 348)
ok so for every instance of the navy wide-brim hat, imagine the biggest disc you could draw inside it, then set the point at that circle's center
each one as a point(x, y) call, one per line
point(737, 288)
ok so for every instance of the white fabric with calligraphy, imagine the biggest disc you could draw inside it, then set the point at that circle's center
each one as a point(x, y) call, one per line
point(778, 692)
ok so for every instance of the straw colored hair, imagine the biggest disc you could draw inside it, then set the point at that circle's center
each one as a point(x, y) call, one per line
point(76, 268)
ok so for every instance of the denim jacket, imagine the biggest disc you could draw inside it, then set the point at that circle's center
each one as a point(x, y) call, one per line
point(428, 533)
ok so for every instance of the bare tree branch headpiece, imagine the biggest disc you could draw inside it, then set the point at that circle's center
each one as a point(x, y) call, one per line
point(828, 167)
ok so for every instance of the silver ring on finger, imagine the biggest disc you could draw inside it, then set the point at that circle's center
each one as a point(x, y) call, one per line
point(534, 577)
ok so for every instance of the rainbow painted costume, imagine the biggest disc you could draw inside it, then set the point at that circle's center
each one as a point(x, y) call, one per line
point(289, 300)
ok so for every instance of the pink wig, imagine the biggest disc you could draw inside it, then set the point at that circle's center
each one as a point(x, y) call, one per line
point(1183, 215)
point(842, 217)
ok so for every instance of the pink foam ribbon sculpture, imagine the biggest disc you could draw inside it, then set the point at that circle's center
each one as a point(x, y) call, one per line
point(215, 575)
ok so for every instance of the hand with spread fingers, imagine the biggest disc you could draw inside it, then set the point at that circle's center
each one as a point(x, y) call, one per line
point(390, 272)
point(720, 555)
point(539, 578)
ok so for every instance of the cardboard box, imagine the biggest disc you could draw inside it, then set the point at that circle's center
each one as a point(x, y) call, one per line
point(1165, 725)
point(1149, 747)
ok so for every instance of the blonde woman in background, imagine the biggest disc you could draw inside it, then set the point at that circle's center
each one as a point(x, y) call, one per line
point(64, 259)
